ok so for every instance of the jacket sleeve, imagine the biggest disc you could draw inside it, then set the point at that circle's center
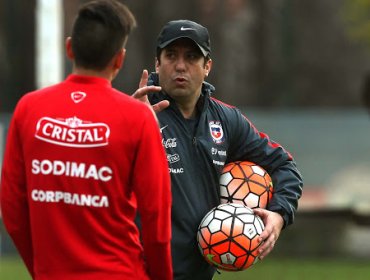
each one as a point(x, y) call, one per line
point(152, 188)
point(255, 146)
point(13, 194)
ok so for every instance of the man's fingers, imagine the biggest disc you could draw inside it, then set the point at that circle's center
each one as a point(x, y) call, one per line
point(144, 79)
point(160, 106)
point(143, 91)
point(260, 212)
point(266, 248)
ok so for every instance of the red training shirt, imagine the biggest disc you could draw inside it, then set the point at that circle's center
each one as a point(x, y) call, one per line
point(80, 158)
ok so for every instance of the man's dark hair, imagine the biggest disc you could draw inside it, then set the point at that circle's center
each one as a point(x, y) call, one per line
point(100, 30)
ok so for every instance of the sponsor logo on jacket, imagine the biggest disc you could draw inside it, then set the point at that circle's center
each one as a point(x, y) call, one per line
point(71, 169)
point(87, 200)
point(78, 96)
point(169, 143)
point(173, 158)
point(176, 170)
point(221, 153)
point(72, 132)
point(216, 131)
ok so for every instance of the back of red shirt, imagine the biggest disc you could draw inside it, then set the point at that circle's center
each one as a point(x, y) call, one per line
point(80, 158)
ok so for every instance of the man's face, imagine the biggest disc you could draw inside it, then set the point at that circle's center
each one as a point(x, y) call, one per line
point(182, 70)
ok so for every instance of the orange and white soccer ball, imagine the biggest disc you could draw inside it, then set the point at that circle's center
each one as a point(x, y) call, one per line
point(228, 237)
point(246, 183)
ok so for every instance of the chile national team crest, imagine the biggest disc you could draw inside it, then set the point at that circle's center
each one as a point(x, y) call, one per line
point(217, 133)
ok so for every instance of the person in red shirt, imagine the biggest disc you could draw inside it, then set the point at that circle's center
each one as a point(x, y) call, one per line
point(81, 159)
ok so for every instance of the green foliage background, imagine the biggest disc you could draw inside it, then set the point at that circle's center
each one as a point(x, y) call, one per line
point(356, 14)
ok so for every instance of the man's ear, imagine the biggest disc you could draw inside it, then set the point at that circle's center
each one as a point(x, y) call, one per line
point(207, 67)
point(119, 59)
point(156, 65)
point(69, 50)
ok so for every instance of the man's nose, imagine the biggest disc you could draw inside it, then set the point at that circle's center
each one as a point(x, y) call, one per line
point(180, 64)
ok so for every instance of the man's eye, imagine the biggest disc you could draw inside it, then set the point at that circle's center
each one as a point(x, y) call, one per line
point(170, 55)
point(193, 56)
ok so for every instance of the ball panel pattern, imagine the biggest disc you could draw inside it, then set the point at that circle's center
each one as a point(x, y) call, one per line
point(228, 237)
point(245, 183)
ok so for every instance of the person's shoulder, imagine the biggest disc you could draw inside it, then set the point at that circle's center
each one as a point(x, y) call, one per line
point(31, 100)
point(35, 95)
point(129, 102)
point(121, 96)
point(222, 104)
point(229, 113)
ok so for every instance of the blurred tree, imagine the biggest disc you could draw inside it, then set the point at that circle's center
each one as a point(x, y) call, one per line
point(18, 44)
point(356, 14)
point(272, 54)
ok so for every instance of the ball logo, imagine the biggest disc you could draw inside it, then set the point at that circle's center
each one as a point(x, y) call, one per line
point(210, 259)
point(217, 132)
point(72, 132)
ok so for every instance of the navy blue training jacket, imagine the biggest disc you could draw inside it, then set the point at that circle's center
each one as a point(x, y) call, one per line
point(197, 152)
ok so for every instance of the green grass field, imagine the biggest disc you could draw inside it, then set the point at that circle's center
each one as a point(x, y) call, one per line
point(13, 269)
point(293, 269)
point(269, 269)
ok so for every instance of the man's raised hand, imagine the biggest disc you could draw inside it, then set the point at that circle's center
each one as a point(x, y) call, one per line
point(142, 93)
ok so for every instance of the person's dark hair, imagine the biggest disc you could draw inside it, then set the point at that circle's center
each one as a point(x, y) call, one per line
point(100, 30)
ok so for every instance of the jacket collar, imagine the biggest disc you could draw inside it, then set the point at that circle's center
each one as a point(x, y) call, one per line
point(83, 79)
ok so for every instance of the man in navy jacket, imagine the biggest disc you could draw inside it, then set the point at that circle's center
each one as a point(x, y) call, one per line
point(201, 135)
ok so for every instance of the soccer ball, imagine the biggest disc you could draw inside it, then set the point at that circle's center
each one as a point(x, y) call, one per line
point(246, 183)
point(228, 237)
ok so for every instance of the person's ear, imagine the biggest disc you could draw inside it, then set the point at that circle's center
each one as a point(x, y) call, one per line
point(207, 67)
point(69, 50)
point(119, 59)
point(156, 65)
